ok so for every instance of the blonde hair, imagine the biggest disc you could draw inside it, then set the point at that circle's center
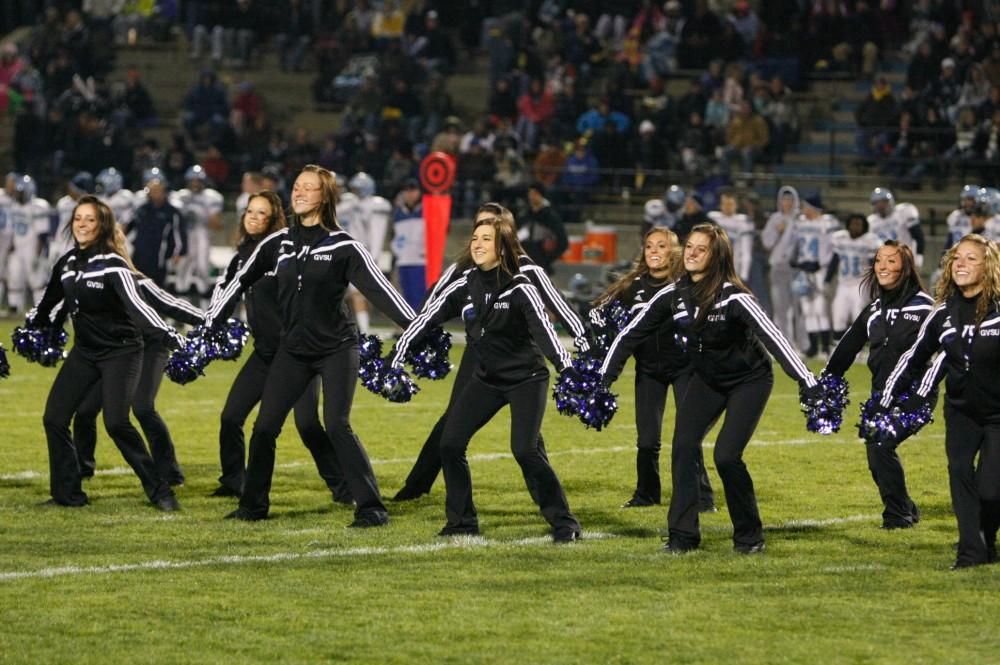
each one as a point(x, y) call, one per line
point(990, 294)
point(675, 267)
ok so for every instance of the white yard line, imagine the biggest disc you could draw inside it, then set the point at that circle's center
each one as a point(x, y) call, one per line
point(480, 457)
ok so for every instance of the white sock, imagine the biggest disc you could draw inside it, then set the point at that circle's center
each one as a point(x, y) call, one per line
point(363, 321)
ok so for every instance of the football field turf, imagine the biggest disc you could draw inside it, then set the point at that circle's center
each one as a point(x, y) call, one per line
point(118, 581)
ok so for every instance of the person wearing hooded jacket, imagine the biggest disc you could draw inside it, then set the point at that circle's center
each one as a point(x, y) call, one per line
point(507, 326)
point(778, 239)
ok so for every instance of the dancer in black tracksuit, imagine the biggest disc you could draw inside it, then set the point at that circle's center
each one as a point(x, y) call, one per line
point(965, 326)
point(659, 363)
point(154, 359)
point(313, 262)
point(428, 464)
point(262, 216)
point(96, 285)
point(727, 336)
point(888, 326)
point(506, 324)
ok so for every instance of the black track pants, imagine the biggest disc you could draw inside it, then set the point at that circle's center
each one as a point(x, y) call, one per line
point(887, 472)
point(975, 490)
point(701, 405)
point(161, 445)
point(287, 378)
point(475, 407)
point(650, 403)
point(245, 393)
point(119, 377)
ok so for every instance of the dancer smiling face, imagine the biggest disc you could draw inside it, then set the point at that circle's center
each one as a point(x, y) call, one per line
point(656, 253)
point(86, 225)
point(967, 269)
point(888, 267)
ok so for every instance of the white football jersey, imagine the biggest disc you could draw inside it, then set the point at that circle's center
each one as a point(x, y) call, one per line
point(814, 239)
point(656, 214)
point(741, 231)
point(5, 203)
point(197, 207)
point(856, 254)
point(28, 222)
point(62, 241)
point(897, 225)
point(123, 203)
point(959, 225)
point(347, 213)
point(373, 223)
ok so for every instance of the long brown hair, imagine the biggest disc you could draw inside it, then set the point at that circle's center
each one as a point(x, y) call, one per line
point(909, 278)
point(721, 269)
point(675, 267)
point(274, 223)
point(990, 295)
point(505, 240)
point(331, 194)
point(110, 238)
point(503, 217)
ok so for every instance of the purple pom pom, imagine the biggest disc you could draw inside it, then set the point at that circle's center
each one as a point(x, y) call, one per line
point(583, 395)
point(391, 383)
point(430, 359)
point(890, 426)
point(226, 342)
point(4, 363)
point(44, 346)
point(616, 317)
point(825, 413)
point(396, 385)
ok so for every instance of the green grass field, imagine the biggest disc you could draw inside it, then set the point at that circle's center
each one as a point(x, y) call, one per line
point(119, 581)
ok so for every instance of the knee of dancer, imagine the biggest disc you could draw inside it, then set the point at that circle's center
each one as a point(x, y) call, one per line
point(452, 449)
point(117, 426)
point(53, 420)
point(266, 429)
point(528, 456)
point(144, 411)
point(726, 461)
point(231, 421)
point(648, 444)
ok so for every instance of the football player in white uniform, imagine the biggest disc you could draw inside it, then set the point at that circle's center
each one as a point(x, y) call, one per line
point(61, 241)
point(110, 187)
point(28, 216)
point(740, 230)
point(664, 212)
point(959, 219)
point(854, 249)
point(6, 232)
point(778, 239)
point(896, 221)
point(813, 236)
point(370, 225)
point(201, 207)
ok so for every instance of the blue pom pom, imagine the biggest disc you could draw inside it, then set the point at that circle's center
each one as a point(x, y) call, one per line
point(583, 395)
point(825, 413)
point(397, 386)
point(616, 317)
point(378, 377)
point(227, 341)
point(4, 363)
point(43, 346)
point(892, 425)
point(430, 359)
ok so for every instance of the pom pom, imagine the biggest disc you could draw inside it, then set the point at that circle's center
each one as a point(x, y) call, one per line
point(580, 393)
point(891, 426)
point(378, 377)
point(226, 342)
point(430, 359)
point(44, 346)
point(4, 363)
point(825, 411)
point(187, 364)
point(615, 317)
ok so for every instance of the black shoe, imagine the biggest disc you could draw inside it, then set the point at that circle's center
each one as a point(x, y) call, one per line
point(469, 530)
point(565, 535)
point(892, 525)
point(167, 504)
point(639, 501)
point(707, 508)
point(226, 491)
point(915, 515)
point(52, 503)
point(368, 520)
point(752, 548)
point(407, 494)
point(244, 515)
point(960, 565)
point(176, 481)
point(677, 546)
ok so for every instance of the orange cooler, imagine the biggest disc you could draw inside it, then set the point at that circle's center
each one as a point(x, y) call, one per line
point(573, 253)
point(600, 245)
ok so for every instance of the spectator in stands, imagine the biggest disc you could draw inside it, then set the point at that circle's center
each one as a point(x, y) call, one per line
point(247, 108)
point(945, 90)
point(510, 175)
point(935, 137)
point(503, 101)
point(449, 138)
point(924, 67)
point(535, 108)
point(610, 148)
point(988, 148)
point(242, 23)
point(746, 137)
point(648, 151)
point(864, 36)
point(693, 215)
point(10, 64)
point(403, 103)
point(294, 36)
point(177, 160)
point(975, 90)
point(137, 101)
point(480, 134)
point(549, 163)
point(713, 77)
point(732, 89)
point(437, 104)
point(570, 105)
point(475, 168)
point(747, 25)
point(580, 174)
point(991, 104)
point(581, 49)
point(698, 37)
point(206, 16)
point(540, 229)
point(730, 44)
point(365, 107)
point(962, 152)
point(695, 144)
point(716, 115)
point(874, 115)
point(217, 167)
point(991, 66)
point(434, 49)
point(594, 120)
point(331, 155)
point(782, 117)
point(205, 109)
point(301, 151)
